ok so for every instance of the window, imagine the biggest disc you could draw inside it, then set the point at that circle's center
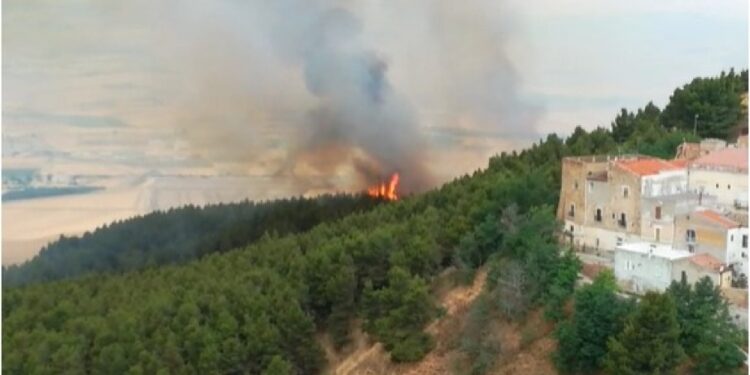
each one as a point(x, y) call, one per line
point(717, 186)
point(657, 213)
point(571, 229)
point(744, 241)
point(572, 211)
point(623, 221)
point(657, 234)
point(690, 236)
point(684, 277)
point(624, 191)
point(598, 215)
point(731, 238)
point(575, 185)
point(619, 241)
point(729, 187)
point(630, 265)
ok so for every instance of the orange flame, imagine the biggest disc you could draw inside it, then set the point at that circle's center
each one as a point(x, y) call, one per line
point(385, 190)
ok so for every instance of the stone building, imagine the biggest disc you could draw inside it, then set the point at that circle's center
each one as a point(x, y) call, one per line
point(694, 150)
point(602, 197)
point(722, 174)
point(708, 231)
point(698, 266)
point(643, 266)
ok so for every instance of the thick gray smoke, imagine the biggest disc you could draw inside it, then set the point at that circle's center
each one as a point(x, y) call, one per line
point(337, 94)
point(358, 118)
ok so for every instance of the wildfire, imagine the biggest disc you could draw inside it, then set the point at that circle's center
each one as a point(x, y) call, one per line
point(385, 190)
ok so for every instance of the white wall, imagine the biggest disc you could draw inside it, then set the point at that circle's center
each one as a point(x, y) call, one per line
point(731, 185)
point(641, 272)
point(739, 315)
point(736, 254)
point(607, 239)
point(693, 273)
point(664, 183)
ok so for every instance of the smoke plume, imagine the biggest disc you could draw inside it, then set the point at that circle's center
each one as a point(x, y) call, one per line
point(358, 118)
point(321, 89)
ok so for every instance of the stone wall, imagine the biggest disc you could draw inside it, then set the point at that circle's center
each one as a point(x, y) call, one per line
point(619, 203)
point(573, 186)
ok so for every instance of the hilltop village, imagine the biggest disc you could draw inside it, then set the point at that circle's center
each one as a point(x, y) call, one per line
point(654, 221)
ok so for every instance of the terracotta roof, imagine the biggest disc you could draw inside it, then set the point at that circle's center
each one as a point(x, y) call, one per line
point(733, 158)
point(646, 167)
point(718, 218)
point(707, 261)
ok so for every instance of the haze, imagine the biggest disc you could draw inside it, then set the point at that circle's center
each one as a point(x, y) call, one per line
point(178, 103)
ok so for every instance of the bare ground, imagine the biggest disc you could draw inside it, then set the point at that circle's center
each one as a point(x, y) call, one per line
point(363, 357)
point(526, 347)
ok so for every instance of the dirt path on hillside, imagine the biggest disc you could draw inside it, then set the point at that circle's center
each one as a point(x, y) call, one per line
point(456, 303)
point(373, 359)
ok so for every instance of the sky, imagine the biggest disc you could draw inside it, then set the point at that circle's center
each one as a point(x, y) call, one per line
point(226, 85)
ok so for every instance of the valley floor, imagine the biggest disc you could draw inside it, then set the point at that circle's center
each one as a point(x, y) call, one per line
point(30, 224)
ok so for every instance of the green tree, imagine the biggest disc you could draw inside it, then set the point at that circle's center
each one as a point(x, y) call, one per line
point(562, 286)
point(707, 333)
point(650, 341)
point(278, 366)
point(714, 100)
point(599, 315)
point(623, 126)
point(397, 314)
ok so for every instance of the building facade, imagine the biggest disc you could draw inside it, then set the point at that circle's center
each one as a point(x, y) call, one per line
point(604, 201)
point(722, 174)
point(708, 231)
point(642, 266)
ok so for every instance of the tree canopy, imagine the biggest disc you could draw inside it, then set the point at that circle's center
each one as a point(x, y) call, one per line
point(650, 341)
point(179, 235)
point(296, 269)
point(709, 105)
point(599, 314)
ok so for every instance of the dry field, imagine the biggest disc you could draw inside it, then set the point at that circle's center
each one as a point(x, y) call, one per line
point(30, 224)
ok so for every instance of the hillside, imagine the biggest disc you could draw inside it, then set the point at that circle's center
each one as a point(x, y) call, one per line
point(179, 235)
point(263, 308)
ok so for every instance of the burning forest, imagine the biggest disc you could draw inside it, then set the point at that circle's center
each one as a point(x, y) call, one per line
point(311, 87)
point(387, 190)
